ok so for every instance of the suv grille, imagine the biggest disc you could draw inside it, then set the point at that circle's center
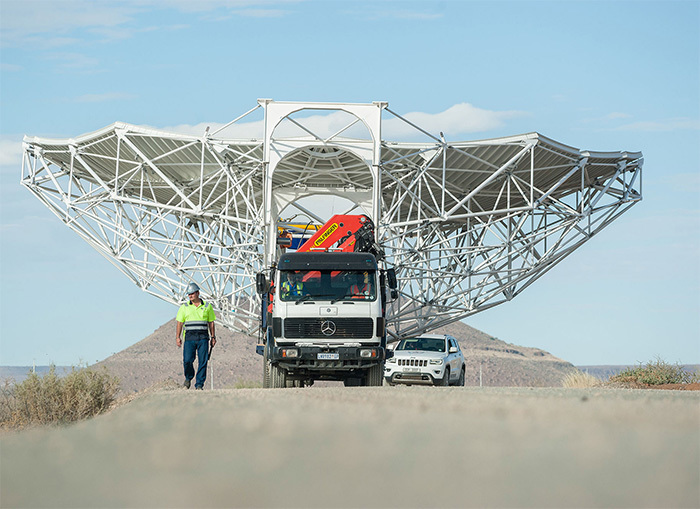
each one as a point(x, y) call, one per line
point(413, 362)
point(355, 328)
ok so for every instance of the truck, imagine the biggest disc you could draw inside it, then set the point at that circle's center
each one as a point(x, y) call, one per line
point(323, 313)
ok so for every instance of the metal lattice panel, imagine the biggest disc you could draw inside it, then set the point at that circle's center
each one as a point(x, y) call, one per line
point(467, 225)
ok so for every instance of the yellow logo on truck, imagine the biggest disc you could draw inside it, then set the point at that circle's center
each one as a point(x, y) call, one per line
point(333, 227)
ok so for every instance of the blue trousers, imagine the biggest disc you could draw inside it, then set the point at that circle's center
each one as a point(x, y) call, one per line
point(200, 347)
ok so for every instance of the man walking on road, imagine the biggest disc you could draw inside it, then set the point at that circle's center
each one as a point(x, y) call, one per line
point(198, 319)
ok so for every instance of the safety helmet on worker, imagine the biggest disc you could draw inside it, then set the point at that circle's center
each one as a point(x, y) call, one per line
point(191, 288)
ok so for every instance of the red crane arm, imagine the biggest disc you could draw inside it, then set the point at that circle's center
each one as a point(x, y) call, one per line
point(339, 229)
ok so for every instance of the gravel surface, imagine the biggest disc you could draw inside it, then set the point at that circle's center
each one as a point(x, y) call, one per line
point(367, 447)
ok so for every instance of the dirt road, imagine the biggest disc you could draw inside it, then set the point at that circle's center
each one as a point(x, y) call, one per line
point(367, 447)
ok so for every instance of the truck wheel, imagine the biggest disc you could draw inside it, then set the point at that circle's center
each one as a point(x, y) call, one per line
point(266, 369)
point(461, 377)
point(375, 376)
point(445, 379)
point(279, 377)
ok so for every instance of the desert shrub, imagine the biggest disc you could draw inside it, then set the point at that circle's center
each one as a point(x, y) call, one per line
point(51, 399)
point(657, 372)
point(577, 379)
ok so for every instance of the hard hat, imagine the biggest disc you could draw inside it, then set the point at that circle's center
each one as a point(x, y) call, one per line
point(191, 288)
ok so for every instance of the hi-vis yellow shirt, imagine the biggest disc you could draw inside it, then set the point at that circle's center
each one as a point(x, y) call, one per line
point(195, 318)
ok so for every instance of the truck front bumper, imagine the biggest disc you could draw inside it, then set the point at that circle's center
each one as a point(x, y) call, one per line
point(324, 358)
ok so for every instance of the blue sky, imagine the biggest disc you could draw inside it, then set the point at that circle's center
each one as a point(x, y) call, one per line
point(591, 74)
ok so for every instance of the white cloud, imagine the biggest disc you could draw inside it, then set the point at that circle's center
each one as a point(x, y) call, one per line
point(261, 13)
point(109, 96)
point(683, 182)
point(24, 20)
point(74, 61)
point(665, 125)
point(378, 12)
point(5, 67)
point(46, 23)
point(10, 151)
point(205, 5)
point(617, 115)
point(455, 121)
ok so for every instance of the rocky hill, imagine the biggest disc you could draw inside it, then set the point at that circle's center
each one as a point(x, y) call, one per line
point(234, 361)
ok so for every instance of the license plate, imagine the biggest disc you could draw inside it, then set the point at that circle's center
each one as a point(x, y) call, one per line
point(328, 356)
point(411, 370)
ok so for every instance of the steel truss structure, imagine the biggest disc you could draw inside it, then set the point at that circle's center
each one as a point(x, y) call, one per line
point(467, 225)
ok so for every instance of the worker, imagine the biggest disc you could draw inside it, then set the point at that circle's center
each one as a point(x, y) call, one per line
point(363, 289)
point(197, 317)
point(293, 286)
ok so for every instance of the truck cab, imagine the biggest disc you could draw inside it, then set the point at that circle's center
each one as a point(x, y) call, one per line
point(325, 320)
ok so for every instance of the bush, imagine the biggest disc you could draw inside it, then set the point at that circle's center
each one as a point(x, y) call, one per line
point(580, 380)
point(51, 399)
point(657, 372)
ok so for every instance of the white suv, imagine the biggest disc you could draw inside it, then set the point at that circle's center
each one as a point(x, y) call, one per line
point(428, 359)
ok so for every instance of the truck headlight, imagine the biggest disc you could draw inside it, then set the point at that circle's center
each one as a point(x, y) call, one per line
point(368, 353)
point(436, 361)
point(290, 353)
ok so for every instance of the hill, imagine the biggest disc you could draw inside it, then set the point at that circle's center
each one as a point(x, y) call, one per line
point(234, 361)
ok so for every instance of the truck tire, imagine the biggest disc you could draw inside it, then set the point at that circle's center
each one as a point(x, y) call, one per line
point(445, 379)
point(279, 377)
point(266, 369)
point(375, 376)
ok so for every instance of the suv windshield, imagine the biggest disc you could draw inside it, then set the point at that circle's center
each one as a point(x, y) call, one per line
point(427, 344)
point(330, 285)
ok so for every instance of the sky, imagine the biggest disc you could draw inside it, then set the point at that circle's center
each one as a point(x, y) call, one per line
point(605, 76)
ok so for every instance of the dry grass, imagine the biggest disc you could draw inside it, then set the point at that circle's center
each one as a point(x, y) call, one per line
point(658, 372)
point(579, 380)
point(51, 399)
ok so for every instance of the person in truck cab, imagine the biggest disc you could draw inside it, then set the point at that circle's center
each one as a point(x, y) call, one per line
point(362, 288)
point(293, 286)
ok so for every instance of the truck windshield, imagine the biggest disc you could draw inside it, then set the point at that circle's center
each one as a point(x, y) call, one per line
point(330, 285)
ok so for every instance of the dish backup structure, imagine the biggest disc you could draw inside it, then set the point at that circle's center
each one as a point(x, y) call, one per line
point(466, 225)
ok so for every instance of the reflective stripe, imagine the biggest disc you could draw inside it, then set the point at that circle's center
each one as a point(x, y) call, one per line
point(196, 325)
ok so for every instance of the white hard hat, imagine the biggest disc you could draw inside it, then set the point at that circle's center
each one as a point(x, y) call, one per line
point(191, 288)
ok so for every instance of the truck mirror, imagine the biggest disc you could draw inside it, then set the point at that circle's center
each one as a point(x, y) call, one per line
point(260, 283)
point(391, 278)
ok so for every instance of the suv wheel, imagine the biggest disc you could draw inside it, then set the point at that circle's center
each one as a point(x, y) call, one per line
point(461, 377)
point(445, 379)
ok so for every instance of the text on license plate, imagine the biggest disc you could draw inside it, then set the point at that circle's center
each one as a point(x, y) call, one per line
point(411, 370)
point(328, 356)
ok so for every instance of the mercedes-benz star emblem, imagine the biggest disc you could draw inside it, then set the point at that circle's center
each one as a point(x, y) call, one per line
point(328, 328)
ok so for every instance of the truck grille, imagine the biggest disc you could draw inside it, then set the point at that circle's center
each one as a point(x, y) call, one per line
point(354, 328)
point(412, 362)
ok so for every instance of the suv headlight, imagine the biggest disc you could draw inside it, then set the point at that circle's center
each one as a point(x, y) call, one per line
point(436, 361)
point(391, 360)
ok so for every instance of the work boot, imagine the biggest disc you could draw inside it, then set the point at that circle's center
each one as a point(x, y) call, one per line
point(199, 388)
point(186, 385)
